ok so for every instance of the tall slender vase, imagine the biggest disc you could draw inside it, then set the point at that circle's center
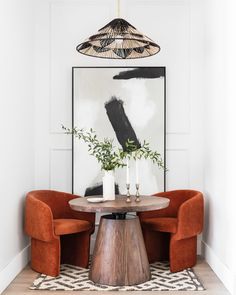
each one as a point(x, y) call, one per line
point(108, 181)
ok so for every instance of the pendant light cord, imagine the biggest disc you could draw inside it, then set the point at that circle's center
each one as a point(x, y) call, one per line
point(118, 8)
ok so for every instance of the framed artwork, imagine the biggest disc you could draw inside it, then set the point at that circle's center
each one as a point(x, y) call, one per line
point(119, 103)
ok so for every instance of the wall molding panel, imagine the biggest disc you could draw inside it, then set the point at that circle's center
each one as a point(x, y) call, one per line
point(60, 169)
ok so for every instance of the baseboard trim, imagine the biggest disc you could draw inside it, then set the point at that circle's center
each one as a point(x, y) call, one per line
point(11, 270)
point(199, 245)
point(227, 277)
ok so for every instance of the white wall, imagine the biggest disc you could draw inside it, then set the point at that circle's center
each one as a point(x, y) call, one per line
point(17, 133)
point(219, 242)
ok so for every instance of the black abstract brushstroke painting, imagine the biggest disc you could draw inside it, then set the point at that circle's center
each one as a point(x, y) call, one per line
point(120, 122)
point(142, 73)
point(97, 190)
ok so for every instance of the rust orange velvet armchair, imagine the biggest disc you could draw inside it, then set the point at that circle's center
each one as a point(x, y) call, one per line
point(171, 233)
point(58, 234)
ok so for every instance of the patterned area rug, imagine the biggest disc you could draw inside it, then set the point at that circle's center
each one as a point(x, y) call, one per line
point(73, 278)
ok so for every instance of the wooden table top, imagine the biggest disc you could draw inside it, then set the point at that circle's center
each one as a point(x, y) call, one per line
point(119, 205)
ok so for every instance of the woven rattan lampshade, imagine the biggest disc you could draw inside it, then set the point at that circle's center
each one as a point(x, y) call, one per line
point(118, 40)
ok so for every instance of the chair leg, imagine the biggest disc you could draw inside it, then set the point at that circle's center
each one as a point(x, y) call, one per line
point(183, 253)
point(157, 245)
point(75, 249)
point(45, 257)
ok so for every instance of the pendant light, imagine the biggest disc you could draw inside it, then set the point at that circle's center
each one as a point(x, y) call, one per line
point(118, 40)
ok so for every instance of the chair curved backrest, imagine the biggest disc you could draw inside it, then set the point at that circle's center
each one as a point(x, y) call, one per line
point(42, 206)
point(177, 198)
point(56, 201)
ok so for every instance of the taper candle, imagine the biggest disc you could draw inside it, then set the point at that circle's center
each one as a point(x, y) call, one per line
point(136, 171)
point(127, 171)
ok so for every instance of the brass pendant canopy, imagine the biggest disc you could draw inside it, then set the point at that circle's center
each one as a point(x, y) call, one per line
point(118, 40)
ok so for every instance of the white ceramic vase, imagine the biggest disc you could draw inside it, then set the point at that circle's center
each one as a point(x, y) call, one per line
point(108, 182)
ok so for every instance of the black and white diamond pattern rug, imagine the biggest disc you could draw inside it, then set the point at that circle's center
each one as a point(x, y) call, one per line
point(73, 278)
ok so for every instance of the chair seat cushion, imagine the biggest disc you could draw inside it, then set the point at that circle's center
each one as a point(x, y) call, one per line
point(163, 224)
point(70, 226)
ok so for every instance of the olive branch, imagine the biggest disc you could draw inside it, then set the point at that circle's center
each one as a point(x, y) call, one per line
point(109, 156)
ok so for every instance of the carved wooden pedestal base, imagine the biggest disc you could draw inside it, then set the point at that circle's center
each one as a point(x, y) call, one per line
point(119, 256)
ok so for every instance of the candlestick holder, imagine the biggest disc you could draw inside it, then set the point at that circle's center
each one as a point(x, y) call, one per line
point(137, 199)
point(128, 199)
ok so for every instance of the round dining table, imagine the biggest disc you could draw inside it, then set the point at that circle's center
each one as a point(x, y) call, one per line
point(119, 257)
